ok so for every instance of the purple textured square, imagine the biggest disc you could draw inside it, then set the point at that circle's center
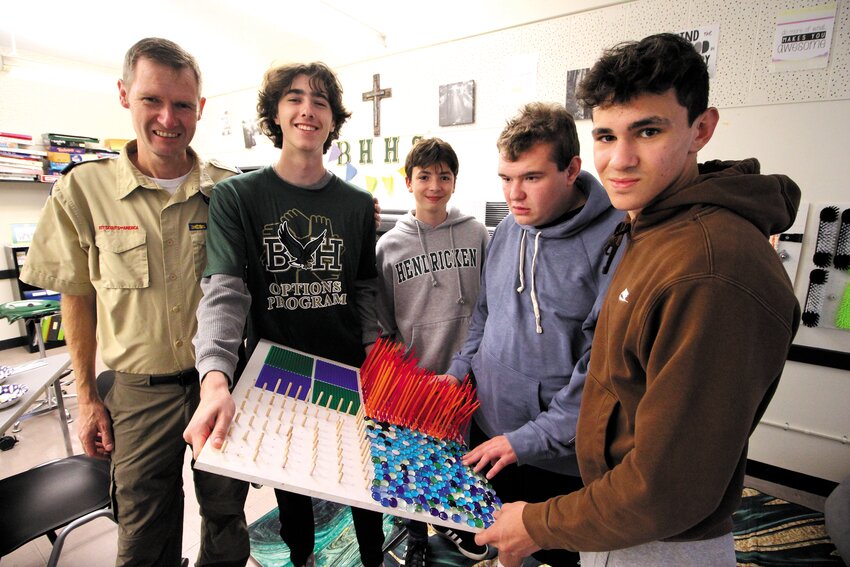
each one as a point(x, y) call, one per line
point(269, 376)
point(337, 375)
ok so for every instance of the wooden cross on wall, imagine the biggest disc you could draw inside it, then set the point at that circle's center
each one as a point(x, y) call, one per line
point(375, 95)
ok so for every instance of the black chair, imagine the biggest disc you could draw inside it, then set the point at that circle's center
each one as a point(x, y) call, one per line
point(66, 492)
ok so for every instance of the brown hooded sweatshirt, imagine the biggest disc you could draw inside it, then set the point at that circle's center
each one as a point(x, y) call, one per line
point(689, 347)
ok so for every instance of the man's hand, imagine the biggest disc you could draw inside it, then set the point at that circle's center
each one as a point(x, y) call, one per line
point(508, 533)
point(448, 378)
point(377, 214)
point(213, 416)
point(497, 452)
point(95, 429)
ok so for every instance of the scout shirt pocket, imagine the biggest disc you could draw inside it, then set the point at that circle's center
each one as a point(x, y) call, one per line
point(198, 233)
point(123, 259)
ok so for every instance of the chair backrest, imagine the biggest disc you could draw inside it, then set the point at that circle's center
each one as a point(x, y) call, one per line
point(49, 496)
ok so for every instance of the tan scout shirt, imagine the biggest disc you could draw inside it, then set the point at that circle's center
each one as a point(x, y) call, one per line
point(107, 228)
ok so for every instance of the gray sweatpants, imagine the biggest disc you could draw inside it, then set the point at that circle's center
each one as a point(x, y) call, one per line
point(717, 552)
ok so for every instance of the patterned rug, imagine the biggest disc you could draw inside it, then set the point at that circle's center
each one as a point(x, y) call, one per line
point(769, 532)
point(336, 544)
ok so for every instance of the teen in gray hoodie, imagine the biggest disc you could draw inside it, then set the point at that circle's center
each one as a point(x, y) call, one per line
point(430, 278)
point(429, 269)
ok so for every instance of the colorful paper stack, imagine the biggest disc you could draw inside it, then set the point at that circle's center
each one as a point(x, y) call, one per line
point(19, 160)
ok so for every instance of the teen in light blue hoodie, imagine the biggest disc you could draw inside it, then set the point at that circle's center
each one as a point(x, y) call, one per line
point(529, 339)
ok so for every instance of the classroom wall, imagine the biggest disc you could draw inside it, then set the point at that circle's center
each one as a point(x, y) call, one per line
point(797, 123)
point(51, 96)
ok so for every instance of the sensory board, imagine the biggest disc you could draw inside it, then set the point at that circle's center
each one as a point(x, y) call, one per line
point(299, 426)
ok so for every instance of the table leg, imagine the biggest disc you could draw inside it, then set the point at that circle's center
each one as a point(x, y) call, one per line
point(60, 402)
point(38, 326)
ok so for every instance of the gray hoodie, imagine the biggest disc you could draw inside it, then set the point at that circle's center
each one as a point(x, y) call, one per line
point(429, 281)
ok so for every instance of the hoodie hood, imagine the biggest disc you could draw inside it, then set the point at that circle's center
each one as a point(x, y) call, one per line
point(769, 202)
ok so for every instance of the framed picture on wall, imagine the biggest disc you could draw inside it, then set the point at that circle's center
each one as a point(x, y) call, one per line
point(574, 78)
point(457, 103)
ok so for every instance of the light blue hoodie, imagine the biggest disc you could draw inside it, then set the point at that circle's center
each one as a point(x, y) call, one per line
point(529, 339)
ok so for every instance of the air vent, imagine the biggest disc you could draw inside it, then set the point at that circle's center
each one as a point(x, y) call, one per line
point(494, 212)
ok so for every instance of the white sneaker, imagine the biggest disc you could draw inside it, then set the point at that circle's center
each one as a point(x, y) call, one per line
point(465, 543)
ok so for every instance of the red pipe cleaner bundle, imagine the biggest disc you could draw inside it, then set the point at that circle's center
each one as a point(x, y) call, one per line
point(397, 391)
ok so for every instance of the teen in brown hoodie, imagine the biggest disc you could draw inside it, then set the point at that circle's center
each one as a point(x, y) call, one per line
point(693, 334)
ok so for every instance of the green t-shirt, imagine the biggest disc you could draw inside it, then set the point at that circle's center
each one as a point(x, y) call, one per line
point(300, 252)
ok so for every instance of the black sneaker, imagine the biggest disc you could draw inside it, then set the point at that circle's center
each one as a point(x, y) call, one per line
point(465, 543)
point(416, 554)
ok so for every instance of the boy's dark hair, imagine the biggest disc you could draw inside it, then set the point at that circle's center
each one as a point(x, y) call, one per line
point(162, 51)
point(653, 65)
point(430, 151)
point(277, 81)
point(537, 122)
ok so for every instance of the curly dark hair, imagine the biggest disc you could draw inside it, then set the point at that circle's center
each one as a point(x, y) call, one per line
point(546, 122)
point(653, 65)
point(430, 151)
point(162, 51)
point(277, 81)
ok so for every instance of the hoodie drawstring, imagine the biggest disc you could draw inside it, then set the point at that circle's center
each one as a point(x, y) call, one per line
point(521, 263)
point(424, 251)
point(613, 243)
point(534, 303)
point(460, 300)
